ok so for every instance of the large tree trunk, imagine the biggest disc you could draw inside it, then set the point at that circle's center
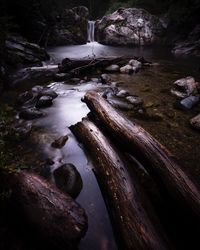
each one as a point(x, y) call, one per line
point(154, 156)
point(134, 228)
point(54, 214)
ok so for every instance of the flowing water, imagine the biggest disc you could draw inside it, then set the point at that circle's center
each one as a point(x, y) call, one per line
point(91, 29)
point(153, 85)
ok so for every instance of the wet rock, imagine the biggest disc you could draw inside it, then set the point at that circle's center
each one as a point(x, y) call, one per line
point(120, 104)
point(44, 102)
point(95, 79)
point(135, 63)
point(122, 93)
point(105, 79)
point(37, 89)
point(127, 69)
point(30, 114)
point(60, 142)
point(24, 97)
point(129, 26)
point(188, 103)
point(48, 92)
point(185, 87)
point(135, 100)
point(110, 92)
point(195, 122)
point(112, 68)
point(68, 179)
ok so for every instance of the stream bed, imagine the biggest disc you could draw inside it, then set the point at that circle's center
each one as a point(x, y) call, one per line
point(153, 85)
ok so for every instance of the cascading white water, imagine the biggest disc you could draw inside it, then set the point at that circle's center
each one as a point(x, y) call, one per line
point(90, 30)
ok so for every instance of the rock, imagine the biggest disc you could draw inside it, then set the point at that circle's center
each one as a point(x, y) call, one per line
point(48, 92)
point(127, 69)
point(24, 97)
point(122, 93)
point(190, 46)
point(119, 104)
point(135, 63)
point(195, 122)
point(185, 87)
point(19, 52)
point(105, 79)
point(96, 80)
point(44, 102)
point(112, 68)
point(30, 114)
point(33, 75)
point(188, 103)
point(68, 179)
point(60, 142)
point(135, 100)
point(129, 26)
point(110, 92)
point(37, 89)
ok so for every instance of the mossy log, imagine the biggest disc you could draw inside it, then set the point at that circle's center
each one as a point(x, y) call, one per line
point(155, 157)
point(134, 228)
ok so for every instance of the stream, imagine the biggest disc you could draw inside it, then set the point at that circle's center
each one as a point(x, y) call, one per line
point(153, 85)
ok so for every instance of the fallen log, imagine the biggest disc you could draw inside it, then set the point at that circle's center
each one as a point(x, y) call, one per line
point(76, 67)
point(133, 227)
point(52, 213)
point(154, 156)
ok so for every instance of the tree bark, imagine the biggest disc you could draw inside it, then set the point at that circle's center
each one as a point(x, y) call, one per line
point(133, 227)
point(54, 214)
point(154, 156)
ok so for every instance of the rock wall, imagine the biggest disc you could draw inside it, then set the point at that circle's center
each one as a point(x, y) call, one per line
point(130, 26)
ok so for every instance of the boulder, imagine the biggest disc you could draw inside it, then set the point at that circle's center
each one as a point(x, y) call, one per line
point(48, 92)
point(129, 26)
point(185, 87)
point(112, 68)
point(44, 102)
point(195, 122)
point(118, 103)
point(135, 63)
point(110, 92)
point(30, 114)
point(60, 142)
point(19, 52)
point(68, 179)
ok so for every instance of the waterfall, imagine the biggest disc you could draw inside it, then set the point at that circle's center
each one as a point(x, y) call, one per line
point(90, 30)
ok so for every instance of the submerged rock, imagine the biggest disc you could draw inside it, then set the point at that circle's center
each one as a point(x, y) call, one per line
point(188, 102)
point(60, 142)
point(130, 26)
point(30, 114)
point(185, 87)
point(195, 122)
point(44, 102)
point(68, 179)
